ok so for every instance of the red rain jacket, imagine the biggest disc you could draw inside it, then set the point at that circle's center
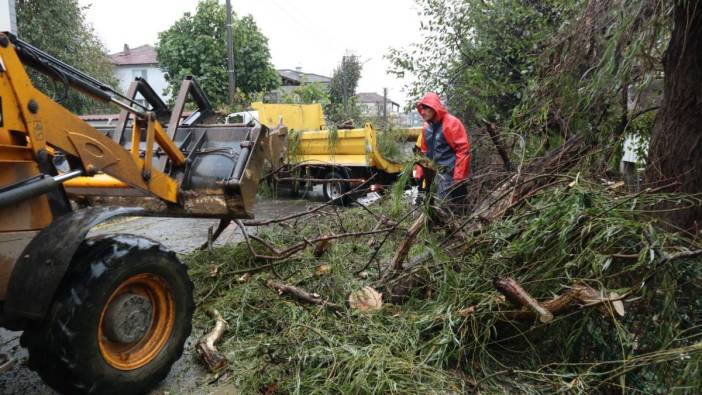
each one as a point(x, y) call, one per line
point(453, 134)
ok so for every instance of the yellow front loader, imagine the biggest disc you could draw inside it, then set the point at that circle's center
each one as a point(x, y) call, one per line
point(107, 314)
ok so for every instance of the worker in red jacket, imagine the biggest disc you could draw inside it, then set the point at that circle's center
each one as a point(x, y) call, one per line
point(444, 141)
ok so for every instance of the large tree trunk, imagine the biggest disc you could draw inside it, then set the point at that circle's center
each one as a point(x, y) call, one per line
point(675, 153)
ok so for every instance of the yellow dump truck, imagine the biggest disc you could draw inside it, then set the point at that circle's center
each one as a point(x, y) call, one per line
point(337, 159)
point(296, 117)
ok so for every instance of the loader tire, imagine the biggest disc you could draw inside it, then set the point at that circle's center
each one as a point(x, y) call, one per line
point(118, 321)
point(334, 189)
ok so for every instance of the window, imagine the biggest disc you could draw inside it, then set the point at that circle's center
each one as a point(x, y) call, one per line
point(139, 73)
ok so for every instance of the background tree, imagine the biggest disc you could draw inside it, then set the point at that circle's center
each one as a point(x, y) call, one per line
point(342, 90)
point(675, 153)
point(545, 70)
point(307, 93)
point(59, 28)
point(196, 45)
point(479, 55)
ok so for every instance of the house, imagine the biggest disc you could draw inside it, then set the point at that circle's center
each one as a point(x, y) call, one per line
point(297, 77)
point(139, 62)
point(371, 105)
point(411, 119)
point(290, 79)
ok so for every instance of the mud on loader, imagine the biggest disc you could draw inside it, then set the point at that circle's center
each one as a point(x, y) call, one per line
point(107, 314)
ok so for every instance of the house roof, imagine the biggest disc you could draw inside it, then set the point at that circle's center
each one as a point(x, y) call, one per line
point(297, 76)
point(145, 54)
point(372, 97)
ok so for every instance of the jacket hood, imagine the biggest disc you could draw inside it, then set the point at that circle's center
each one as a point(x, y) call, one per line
point(432, 100)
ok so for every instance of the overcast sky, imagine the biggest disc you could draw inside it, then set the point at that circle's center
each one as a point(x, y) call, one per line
point(312, 34)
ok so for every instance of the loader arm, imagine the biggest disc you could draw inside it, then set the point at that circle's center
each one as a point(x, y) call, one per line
point(48, 125)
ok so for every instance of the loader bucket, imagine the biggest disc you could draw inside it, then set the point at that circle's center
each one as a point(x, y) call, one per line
point(223, 170)
point(219, 180)
point(219, 176)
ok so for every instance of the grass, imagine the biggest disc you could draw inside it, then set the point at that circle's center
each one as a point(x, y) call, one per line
point(429, 344)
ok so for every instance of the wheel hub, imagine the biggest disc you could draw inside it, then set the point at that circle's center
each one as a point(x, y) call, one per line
point(335, 190)
point(128, 318)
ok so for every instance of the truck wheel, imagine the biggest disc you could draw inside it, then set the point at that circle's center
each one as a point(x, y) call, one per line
point(118, 321)
point(334, 189)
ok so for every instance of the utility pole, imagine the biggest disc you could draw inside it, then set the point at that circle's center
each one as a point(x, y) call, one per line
point(344, 92)
point(385, 107)
point(230, 54)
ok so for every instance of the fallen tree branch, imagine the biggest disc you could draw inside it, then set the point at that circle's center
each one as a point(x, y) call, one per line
point(502, 199)
point(583, 296)
point(577, 296)
point(223, 223)
point(491, 129)
point(295, 248)
point(399, 258)
point(511, 289)
point(387, 235)
point(206, 346)
point(297, 293)
point(265, 243)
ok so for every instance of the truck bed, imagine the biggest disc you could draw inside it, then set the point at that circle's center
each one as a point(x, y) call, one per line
point(351, 148)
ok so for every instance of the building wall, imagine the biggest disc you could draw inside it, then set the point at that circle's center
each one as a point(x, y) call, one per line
point(152, 74)
point(373, 109)
point(370, 109)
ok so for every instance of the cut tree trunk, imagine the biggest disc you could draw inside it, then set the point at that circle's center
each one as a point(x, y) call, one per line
point(206, 346)
point(675, 152)
point(514, 292)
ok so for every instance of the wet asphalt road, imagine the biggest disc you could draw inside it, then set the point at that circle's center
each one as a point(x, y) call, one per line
point(181, 235)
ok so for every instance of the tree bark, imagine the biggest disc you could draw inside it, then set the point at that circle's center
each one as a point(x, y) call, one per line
point(206, 346)
point(514, 292)
point(675, 152)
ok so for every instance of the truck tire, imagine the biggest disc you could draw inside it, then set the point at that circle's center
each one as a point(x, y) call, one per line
point(118, 321)
point(334, 189)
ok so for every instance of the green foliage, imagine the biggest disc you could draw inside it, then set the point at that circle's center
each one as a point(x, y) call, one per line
point(307, 93)
point(342, 90)
point(479, 54)
point(392, 144)
point(640, 129)
point(332, 139)
point(196, 45)
point(294, 140)
point(59, 28)
point(540, 67)
point(603, 59)
point(454, 334)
